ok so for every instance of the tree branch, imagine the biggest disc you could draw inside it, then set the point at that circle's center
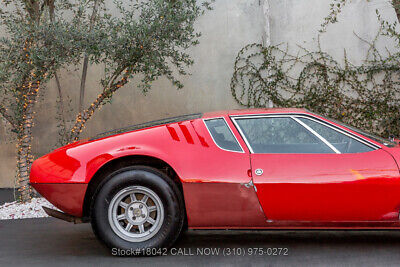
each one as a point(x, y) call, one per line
point(396, 6)
point(84, 116)
point(86, 59)
point(8, 117)
point(60, 95)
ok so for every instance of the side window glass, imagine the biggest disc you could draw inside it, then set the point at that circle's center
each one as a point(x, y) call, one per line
point(341, 142)
point(222, 135)
point(280, 135)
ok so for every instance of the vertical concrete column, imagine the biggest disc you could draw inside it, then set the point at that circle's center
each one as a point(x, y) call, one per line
point(266, 16)
point(266, 38)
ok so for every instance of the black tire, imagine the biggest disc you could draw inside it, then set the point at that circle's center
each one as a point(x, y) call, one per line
point(162, 186)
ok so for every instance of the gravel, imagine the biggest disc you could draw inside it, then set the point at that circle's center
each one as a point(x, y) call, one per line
point(31, 209)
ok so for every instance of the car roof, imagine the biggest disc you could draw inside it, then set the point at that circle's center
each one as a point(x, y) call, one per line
point(253, 111)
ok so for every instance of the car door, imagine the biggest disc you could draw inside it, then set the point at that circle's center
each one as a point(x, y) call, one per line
point(307, 170)
point(216, 177)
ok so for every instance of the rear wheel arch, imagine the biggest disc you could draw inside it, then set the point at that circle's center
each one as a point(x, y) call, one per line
point(127, 161)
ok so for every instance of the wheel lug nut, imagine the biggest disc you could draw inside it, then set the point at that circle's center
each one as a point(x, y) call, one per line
point(140, 206)
point(130, 208)
point(143, 216)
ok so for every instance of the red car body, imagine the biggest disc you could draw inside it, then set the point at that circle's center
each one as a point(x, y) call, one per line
point(221, 188)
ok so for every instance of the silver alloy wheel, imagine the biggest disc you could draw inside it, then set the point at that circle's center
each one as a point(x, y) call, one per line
point(136, 213)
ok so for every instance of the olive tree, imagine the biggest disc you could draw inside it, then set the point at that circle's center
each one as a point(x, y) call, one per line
point(37, 40)
point(43, 36)
point(149, 38)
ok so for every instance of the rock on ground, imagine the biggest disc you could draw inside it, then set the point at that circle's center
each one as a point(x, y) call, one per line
point(31, 209)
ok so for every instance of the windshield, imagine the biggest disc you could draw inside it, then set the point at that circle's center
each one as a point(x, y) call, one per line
point(371, 136)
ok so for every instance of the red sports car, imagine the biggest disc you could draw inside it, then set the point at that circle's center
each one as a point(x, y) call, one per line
point(243, 169)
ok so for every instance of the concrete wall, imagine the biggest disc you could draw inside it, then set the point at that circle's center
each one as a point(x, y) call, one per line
point(298, 23)
point(230, 26)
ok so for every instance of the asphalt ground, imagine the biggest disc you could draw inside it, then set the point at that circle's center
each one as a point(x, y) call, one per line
point(6, 195)
point(51, 242)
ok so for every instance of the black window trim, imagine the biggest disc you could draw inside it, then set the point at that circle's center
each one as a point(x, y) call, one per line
point(227, 125)
point(297, 115)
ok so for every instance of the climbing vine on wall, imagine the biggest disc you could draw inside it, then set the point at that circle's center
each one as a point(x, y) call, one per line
point(365, 96)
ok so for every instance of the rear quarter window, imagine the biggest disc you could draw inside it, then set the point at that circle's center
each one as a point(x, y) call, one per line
point(222, 135)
